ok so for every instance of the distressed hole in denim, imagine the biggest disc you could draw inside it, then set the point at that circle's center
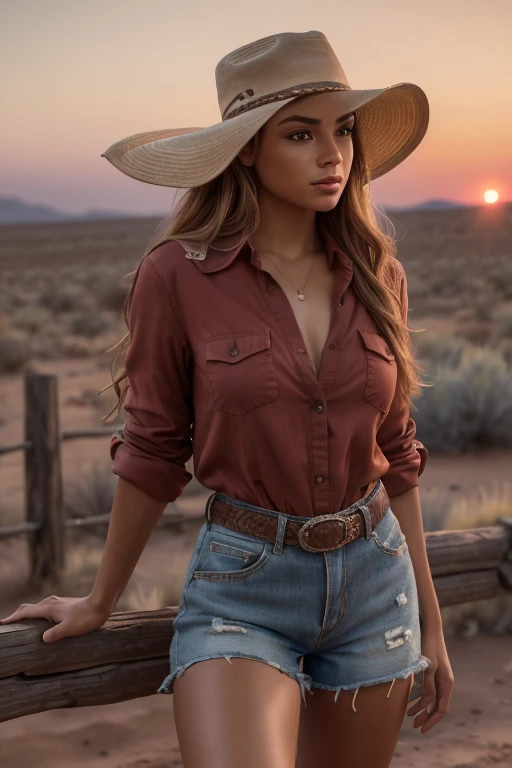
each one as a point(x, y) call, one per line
point(396, 637)
point(219, 626)
point(401, 599)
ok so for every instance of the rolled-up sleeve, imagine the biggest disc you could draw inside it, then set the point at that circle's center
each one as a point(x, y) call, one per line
point(152, 448)
point(396, 437)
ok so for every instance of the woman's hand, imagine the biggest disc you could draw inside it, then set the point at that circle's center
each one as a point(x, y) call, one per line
point(72, 616)
point(437, 682)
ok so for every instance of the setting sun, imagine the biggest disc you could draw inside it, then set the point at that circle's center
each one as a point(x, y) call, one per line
point(491, 196)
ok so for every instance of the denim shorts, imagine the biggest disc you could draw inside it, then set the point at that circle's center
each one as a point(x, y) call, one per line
point(331, 620)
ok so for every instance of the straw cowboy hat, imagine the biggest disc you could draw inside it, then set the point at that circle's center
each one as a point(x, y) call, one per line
point(253, 83)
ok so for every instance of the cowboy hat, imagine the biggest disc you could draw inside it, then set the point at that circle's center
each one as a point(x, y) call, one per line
point(253, 83)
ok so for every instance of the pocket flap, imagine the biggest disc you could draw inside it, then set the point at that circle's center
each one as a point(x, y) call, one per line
point(235, 347)
point(376, 343)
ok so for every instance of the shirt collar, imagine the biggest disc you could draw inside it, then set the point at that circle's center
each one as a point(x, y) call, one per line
point(224, 250)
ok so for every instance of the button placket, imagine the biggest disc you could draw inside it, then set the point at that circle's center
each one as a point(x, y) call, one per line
point(315, 384)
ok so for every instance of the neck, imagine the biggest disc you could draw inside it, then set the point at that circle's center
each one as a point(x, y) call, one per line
point(286, 233)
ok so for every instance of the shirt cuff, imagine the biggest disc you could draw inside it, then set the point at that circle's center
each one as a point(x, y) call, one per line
point(403, 473)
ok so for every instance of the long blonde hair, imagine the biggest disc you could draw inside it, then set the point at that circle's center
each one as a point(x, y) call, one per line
point(228, 205)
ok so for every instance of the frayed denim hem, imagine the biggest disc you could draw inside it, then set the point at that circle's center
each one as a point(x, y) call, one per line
point(305, 681)
point(422, 664)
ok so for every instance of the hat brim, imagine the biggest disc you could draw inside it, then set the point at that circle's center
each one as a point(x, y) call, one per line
point(391, 122)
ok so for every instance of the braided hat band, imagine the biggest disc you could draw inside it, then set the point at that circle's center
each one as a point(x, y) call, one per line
point(300, 90)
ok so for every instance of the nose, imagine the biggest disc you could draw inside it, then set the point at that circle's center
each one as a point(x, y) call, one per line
point(330, 156)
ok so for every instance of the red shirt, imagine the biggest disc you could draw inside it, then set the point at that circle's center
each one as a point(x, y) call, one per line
point(217, 369)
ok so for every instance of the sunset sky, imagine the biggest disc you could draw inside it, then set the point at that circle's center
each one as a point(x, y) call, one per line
point(78, 75)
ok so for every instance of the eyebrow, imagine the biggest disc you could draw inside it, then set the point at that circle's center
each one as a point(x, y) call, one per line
point(313, 120)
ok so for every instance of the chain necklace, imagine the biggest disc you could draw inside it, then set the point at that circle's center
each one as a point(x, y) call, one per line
point(300, 291)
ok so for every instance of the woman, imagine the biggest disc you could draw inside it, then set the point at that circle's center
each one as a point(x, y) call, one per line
point(268, 337)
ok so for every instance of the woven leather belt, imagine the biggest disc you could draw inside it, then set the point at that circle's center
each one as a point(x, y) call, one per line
point(322, 533)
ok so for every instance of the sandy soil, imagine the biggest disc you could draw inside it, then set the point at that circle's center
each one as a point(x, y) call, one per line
point(477, 731)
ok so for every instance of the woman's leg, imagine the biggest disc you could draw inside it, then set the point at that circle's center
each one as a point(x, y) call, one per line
point(238, 713)
point(334, 736)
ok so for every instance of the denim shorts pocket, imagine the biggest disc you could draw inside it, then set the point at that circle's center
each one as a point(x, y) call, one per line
point(241, 371)
point(225, 557)
point(381, 375)
point(388, 535)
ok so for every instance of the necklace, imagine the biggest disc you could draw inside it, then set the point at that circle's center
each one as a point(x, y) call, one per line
point(300, 291)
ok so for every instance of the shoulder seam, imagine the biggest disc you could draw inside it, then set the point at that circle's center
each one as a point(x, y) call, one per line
point(164, 284)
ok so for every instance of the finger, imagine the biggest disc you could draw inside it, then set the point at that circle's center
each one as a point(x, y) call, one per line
point(428, 694)
point(29, 611)
point(55, 633)
point(63, 629)
point(433, 719)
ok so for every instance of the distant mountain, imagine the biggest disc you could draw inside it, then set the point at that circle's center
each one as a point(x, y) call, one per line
point(14, 210)
point(431, 205)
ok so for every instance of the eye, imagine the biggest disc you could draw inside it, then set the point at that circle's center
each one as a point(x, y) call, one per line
point(298, 133)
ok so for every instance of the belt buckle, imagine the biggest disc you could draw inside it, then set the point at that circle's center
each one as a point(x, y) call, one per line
point(304, 531)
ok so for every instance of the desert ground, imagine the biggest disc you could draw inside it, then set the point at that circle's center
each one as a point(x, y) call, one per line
point(56, 281)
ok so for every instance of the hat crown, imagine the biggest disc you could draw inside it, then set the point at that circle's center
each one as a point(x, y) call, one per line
point(273, 64)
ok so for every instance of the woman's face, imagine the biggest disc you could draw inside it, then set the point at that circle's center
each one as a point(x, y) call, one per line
point(301, 144)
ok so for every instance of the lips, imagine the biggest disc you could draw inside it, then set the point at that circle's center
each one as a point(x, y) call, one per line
point(328, 180)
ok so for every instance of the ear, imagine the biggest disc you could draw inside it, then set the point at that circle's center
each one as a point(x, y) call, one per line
point(248, 153)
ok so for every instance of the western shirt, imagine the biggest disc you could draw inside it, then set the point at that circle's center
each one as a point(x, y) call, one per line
point(218, 369)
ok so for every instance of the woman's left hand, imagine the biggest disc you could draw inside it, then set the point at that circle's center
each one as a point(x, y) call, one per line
point(437, 682)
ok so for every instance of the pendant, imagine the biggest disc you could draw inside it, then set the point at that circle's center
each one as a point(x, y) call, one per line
point(300, 295)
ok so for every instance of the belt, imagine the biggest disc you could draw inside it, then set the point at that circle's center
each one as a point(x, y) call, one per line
point(322, 533)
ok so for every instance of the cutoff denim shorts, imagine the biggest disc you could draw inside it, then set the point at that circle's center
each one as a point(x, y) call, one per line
point(331, 620)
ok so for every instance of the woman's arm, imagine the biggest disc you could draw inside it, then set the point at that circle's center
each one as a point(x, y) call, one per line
point(134, 516)
point(407, 509)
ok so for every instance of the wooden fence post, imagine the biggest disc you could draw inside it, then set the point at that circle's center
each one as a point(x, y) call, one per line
point(43, 478)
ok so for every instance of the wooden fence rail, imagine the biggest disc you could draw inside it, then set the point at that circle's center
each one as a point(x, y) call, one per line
point(128, 657)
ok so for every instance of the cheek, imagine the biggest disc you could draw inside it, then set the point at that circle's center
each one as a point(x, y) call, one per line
point(283, 168)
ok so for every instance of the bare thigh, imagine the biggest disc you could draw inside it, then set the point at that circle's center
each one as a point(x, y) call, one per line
point(334, 736)
point(238, 713)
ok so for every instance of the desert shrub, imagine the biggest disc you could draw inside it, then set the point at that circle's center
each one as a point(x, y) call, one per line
point(111, 294)
point(14, 353)
point(476, 332)
point(62, 298)
point(88, 323)
point(443, 350)
point(32, 319)
point(77, 349)
point(503, 320)
point(92, 494)
point(505, 347)
point(470, 406)
point(48, 345)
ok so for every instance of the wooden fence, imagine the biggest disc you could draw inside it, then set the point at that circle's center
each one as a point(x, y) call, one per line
point(128, 657)
point(45, 521)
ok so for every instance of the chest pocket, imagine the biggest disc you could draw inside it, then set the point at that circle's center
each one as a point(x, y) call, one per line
point(241, 371)
point(381, 376)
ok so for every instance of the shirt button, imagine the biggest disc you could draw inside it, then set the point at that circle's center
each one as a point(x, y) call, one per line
point(300, 350)
point(233, 351)
point(319, 408)
point(332, 346)
point(319, 479)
